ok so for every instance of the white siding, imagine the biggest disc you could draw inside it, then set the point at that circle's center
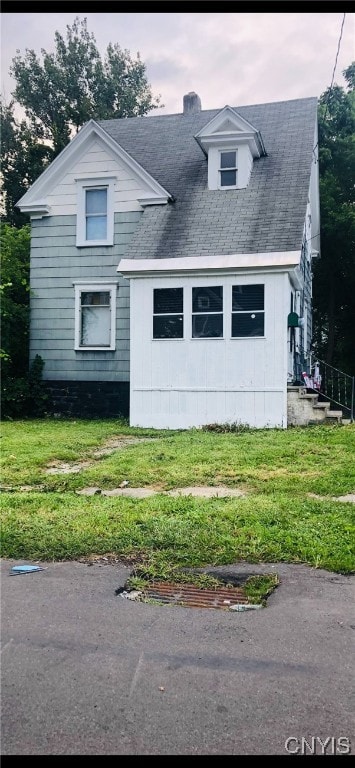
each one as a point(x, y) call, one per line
point(96, 162)
point(182, 383)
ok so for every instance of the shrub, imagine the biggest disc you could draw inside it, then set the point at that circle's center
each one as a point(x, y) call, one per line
point(234, 426)
point(24, 396)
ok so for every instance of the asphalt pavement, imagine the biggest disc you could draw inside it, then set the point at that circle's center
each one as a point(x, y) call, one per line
point(86, 672)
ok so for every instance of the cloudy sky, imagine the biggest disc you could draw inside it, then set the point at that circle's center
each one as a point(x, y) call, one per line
point(234, 58)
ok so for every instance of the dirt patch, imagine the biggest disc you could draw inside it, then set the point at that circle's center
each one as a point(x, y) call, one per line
point(114, 444)
point(349, 497)
point(205, 491)
point(20, 488)
point(135, 493)
point(65, 468)
point(110, 446)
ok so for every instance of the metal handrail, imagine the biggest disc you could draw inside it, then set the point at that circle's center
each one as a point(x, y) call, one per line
point(336, 385)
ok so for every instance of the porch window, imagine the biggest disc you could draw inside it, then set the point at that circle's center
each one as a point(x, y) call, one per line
point(168, 317)
point(248, 310)
point(207, 312)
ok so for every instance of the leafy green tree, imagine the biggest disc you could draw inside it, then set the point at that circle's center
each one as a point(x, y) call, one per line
point(64, 89)
point(23, 158)
point(15, 292)
point(22, 390)
point(334, 273)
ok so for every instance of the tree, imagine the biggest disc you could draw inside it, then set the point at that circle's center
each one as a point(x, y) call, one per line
point(23, 158)
point(15, 292)
point(334, 273)
point(59, 93)
point(68, 87)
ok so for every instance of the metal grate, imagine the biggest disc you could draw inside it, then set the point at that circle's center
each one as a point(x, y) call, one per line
point(194, 597)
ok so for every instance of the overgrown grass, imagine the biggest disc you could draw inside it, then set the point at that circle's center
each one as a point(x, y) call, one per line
point(29, 446)
point(276, 520)
point(184, 531)
point(317, 459)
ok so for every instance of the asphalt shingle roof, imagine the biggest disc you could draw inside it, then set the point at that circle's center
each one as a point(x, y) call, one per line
point(266, 216)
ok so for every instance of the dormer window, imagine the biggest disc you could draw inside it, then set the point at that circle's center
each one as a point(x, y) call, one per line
point(228, 170)
point(231, 144)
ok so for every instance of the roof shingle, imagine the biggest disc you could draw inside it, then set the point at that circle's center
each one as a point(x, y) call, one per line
point(266, 216)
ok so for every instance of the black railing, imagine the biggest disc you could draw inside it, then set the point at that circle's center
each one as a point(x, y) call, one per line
point(331, 383)
point(335, 385)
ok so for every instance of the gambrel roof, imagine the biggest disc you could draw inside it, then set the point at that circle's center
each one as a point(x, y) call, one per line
point(268, 215)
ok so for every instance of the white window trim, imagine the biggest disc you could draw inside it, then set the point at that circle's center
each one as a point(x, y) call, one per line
point(82, 186)
point(161, 314)
point(234, 168)
point(97, 286)
point(245, 312)
point(207, 312)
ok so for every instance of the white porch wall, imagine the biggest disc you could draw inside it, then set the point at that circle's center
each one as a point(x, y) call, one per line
point(183, 383)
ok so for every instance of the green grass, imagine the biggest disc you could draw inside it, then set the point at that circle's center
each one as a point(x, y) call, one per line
point(275, 521)
point(258, 588)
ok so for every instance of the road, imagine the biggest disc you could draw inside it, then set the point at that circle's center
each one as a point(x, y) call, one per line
point(84, 671)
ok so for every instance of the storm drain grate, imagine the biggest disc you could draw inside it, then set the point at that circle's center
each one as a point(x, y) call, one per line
point(194, 597)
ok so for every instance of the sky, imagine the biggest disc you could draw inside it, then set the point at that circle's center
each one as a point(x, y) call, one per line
point(227, 58)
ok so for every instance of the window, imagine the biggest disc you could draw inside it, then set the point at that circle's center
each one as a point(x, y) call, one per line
point(168, 318)
point(95, 212)
point(247, 310)
point(207, 312)
point(95, 316)
point(228, 169)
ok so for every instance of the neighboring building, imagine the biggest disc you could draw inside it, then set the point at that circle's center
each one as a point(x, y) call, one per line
point(168, 253)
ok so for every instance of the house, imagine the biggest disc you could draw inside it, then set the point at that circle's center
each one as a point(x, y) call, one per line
point(171, 263)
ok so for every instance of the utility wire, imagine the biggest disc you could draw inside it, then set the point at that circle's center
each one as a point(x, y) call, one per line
point(332, 81)
point(327, 102)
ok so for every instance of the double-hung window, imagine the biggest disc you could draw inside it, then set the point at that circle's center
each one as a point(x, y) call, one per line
point(95, 212)
point(228, 169)
point(207, 312)
point(248, 310)
point(168, 317)
point(95, 316)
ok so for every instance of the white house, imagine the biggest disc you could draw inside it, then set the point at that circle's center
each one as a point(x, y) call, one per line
point(171, 264)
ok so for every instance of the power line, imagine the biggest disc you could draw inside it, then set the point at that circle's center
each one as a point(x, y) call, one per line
point(332, 81)
point(308, 240)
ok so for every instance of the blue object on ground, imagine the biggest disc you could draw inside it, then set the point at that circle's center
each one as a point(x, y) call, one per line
point(19, 569)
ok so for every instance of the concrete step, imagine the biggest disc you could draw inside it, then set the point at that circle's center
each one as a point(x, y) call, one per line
point(334, 416)
point(310, 410)
point(297, 389)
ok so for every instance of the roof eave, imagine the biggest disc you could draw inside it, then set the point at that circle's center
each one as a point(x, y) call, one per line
point(59, 164)
point(230, 139)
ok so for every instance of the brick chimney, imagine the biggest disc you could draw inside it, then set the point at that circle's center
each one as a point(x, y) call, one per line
point(192, 103)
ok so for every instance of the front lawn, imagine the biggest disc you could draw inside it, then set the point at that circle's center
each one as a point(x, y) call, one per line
point(277, 519)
